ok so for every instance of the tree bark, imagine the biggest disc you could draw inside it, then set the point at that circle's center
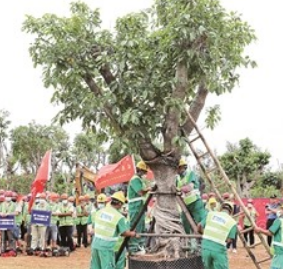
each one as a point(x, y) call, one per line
point(172, 119)
point(195, 109)
point(166, 212)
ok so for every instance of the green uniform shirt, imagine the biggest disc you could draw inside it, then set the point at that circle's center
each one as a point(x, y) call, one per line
point(189, 177)
point(213, 246)
point(98, 243)
point(276, 230)
point(135, 186)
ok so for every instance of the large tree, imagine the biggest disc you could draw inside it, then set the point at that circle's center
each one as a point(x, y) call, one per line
point(89, 150)
point(137, 83)
point(4, 134)
point(244, 163)
point(30, 142)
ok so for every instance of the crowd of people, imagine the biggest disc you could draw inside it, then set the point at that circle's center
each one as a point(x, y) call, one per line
point(104, 221)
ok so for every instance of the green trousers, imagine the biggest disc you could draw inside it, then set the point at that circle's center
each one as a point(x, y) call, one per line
point(197, 212)
point(121, 263)
point(102, 259)
point(136, 243)
point(214, 259)
point(277, 262)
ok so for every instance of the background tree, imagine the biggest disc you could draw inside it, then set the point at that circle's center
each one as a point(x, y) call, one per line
point(244, 163)
point(29, 144)
point(138, 83)
point(4, 134)
point(90, 150)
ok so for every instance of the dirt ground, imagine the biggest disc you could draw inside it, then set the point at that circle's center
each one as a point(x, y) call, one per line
point(80, 259)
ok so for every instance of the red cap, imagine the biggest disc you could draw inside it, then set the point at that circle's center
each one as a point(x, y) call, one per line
point(204, 196)
point(226, 195)
point(8, 193)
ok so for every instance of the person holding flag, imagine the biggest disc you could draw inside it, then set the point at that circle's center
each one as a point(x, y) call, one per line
point(38, 231)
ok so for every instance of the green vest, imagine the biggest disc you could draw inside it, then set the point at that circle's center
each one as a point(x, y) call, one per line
point(68, 220)
point(92, 214)
point(252, 215)
point(106, 221)
point(81, 220)
point(54, 208)
point(19, 217)
point(8, 207)
point(193, 195)
point(218, 226)
point(280, 243)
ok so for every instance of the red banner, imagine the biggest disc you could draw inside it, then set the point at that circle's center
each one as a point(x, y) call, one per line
point(259, 204)
point(42, 176)
point(112, 174)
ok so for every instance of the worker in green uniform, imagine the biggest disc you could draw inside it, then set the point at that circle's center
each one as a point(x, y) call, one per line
point(109, 225)
point(136, 195)
point(8, 208)
point(188, 183)
point(276, 231)
point(101, 200)
point(81, 222)
point(218, 228)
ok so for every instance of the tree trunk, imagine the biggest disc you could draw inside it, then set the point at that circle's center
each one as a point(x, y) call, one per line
point(166, 212)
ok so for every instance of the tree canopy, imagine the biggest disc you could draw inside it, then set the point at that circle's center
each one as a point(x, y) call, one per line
point(244, 163)
point(30, 142)
point(136, 83)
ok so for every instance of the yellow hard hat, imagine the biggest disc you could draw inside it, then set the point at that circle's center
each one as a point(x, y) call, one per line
point(101, 198)
point(182, 162)
point(212, 200)
point(142, 166)
point(119, 195)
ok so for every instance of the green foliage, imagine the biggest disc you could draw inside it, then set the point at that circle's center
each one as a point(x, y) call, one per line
point(264, 191)
point(244, 163)
point(88, 148)
point(4, 127)
point(213, 116)
point(19, 183)
point(29, 144)
point(123, 84)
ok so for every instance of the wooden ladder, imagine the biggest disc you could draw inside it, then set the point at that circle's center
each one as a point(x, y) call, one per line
point(224, 181)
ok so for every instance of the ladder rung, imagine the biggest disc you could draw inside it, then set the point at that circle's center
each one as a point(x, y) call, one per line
point(194, 139)
point(254, 245)
point(222, 183)
point(238, 215)
point(247, 230)
point(211, 170)
point(202, 155)
point(264, 260)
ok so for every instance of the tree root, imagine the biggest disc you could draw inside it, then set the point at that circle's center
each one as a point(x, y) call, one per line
point(167, 221)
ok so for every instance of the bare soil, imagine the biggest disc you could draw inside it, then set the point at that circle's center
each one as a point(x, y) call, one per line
point(80, 259)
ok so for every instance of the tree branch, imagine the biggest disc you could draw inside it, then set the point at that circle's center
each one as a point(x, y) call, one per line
point(195, 109)
point(172, 118)
point(95, 89)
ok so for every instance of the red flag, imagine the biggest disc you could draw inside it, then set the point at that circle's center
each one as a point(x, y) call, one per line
point(112, 174)
point(42, 176)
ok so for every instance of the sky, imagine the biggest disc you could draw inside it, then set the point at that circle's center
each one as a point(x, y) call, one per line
point(252, 110)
